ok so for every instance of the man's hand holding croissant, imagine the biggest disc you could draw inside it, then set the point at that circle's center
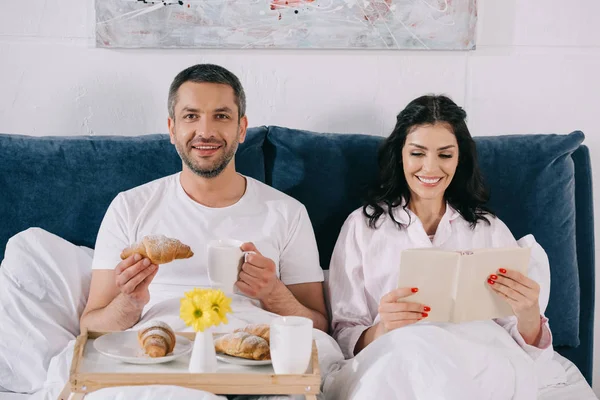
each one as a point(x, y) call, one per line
point(133, 276)
point(140, 265)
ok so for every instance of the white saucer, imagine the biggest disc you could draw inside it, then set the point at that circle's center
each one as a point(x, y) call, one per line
point(241, 361)
point(124, 346)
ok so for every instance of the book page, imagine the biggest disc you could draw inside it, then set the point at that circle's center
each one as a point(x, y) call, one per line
point(434, 273)
point(475, 299)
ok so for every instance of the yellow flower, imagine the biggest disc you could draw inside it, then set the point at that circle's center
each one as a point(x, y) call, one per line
point(203, 308)
point(220, 305)
point(194, 292)
point(195, 311)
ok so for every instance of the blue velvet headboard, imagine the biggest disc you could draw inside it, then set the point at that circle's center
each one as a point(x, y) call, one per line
point(540, 184)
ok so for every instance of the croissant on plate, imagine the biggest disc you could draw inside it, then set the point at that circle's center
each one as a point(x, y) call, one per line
point(159, 249)
point(262, 330)
point(157, 339)
point(244, 345)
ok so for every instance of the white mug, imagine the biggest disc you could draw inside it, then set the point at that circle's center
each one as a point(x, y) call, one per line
point(291, 344)
point(225, 259)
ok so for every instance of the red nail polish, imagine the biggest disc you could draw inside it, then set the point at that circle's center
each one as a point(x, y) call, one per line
point(414, 290)
point(427, 308)
point(424, 314)
point(494, 277)
point(502, 270)
point(491, 282)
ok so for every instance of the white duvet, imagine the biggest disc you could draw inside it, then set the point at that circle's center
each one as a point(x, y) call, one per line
point(467, 361)
point(43, 283)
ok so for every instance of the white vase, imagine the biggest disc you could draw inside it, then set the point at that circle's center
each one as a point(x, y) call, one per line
point(203, 358)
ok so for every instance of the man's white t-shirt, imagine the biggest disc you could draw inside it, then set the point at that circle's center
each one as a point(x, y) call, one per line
point(276, 223)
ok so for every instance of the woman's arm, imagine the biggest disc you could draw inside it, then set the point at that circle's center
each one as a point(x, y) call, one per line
point(532, 333)
point(368, 336)
point(350, 311)
point(522, 293)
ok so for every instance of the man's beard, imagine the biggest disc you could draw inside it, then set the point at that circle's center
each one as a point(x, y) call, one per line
point(217, 167)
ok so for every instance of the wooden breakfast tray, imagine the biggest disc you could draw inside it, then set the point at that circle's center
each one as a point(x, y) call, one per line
point(91, 371)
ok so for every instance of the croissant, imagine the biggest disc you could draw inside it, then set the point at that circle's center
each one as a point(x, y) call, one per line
point(244, 345)
point(262, 330)
point(159, 249)
point(157, 339)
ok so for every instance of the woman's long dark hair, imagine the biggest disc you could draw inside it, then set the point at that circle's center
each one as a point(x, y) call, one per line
point(466, 193)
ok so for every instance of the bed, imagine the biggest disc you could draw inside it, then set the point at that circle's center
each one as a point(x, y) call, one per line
point(540, 184)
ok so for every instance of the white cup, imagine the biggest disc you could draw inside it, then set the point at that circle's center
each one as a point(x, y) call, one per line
point(225, 259)
point(291, 344)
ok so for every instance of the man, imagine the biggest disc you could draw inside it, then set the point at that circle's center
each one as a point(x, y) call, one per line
point(207, 200)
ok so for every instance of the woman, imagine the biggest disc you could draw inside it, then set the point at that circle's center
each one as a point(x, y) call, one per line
point(430, 193)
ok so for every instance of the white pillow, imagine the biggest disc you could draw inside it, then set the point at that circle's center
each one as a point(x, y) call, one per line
point(44, 283)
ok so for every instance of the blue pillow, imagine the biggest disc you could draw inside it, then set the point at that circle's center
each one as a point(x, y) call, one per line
point(328, 173)
point(532, 185)
point(65, 184)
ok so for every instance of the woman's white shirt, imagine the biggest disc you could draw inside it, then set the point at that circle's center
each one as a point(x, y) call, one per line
point(365, 266)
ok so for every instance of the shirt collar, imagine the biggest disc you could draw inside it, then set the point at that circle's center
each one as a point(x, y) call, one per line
point(407, 217)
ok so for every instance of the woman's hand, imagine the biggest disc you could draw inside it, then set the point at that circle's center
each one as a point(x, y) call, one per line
point(522, 293)
point(394, 314)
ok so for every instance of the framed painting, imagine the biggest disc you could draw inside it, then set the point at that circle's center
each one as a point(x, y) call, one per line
point(295, 24)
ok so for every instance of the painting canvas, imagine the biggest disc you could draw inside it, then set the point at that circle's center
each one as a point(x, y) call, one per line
point(298, 24)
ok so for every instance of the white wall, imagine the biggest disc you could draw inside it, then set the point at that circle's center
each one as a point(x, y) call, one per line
point(534, 71)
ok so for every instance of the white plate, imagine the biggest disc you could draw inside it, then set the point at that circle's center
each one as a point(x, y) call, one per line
point(124, 346)
point(241, 361)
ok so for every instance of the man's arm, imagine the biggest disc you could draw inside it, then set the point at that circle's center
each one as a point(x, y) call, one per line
point(258, 280)
point(117, 297)
point(303, 300)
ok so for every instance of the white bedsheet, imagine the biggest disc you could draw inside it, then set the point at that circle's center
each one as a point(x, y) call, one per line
point(577, 387)
point(452, 362)
point(14, 396)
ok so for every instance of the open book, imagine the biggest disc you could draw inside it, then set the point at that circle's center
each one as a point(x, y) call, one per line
point(454, 283)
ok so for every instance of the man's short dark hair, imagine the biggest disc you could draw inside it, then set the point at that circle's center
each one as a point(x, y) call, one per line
point(208, 73)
